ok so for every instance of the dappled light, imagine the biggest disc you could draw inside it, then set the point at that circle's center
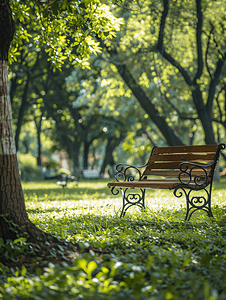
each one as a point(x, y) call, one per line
point(147, 252)
point(84, 86)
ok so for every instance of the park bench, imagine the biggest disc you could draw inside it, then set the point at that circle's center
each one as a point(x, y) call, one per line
point(183, 169)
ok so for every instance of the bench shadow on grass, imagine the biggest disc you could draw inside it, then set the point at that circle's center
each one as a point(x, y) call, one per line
point(134, 215)
point(66, 194)
point(100, 223)
point(94, 193)
point(53, 209)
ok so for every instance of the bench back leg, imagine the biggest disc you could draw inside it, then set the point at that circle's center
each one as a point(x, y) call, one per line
point(195, 202)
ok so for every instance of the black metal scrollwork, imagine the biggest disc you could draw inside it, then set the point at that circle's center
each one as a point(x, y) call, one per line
point(188, 169)
point(195, 202)
point(115, 191)
point(125, 172)
point(190, 183)
point(187, 175)
point(131, 199)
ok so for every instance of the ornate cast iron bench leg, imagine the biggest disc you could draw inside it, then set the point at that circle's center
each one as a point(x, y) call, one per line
point(194, 202)
point(130, 199)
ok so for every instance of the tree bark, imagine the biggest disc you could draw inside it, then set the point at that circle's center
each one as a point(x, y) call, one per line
point(87, 143)
point(109, 159)
point(12, 206)
point(75, 156)
point(85, 154)
point(38, 124)
point(21, 113)
point(169, 134)
point(13, 216)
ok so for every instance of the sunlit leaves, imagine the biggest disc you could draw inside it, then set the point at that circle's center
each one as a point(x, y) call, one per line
point(66, 28)
point(146, 254)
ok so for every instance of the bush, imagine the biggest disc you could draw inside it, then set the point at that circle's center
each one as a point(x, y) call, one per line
point(52, 164)
point(29, 170)
point(63, 171)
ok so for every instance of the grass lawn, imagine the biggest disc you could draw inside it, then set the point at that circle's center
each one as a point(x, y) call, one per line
point(146, 255)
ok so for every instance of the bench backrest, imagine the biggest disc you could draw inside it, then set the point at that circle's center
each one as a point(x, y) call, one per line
point(165, 161)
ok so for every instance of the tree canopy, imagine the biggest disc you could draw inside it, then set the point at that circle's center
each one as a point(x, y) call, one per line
point(65, 29)
point(135, 74)
point(172, 58)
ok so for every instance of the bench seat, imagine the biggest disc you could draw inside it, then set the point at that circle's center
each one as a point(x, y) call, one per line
point(148, 184)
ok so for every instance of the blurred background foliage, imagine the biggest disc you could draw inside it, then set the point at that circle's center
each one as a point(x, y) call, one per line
point(160, 80)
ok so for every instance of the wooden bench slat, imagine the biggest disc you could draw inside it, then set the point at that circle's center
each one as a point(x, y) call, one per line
point(166, 166)
point(186, 149)
point(172, 173)
point(148, 184)
point(181, 157)
point(154, 184)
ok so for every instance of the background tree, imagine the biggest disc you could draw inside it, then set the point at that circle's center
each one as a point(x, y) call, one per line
point(103, 97)
point(172, 59)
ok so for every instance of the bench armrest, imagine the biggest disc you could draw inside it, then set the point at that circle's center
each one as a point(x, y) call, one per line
point(189, 174)
point(125, 172)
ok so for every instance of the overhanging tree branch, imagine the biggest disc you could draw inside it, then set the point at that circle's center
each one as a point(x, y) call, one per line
point(199, 41)
point(161, 49)
point(213, 83)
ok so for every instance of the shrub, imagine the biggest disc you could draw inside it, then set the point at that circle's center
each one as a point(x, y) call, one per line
point(63, 171)
point(52, 164)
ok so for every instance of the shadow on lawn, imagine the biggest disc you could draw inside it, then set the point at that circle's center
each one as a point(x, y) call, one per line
point(56, 209)
point(66, 194)
point(70, 194)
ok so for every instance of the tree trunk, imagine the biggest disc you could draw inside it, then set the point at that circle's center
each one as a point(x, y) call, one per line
point(204, 111)
point(13, 216)
point(38, 124)
point(23, 106)
point(171, 137)
point(12, 206)
point(86, 145)
point(11, 195)
point(204, 116)
point(39, 155)
point(109, 159)
point(75, 157)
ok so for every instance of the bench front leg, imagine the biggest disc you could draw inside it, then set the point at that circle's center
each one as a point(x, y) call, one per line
point(130, 198)
point(195, 202)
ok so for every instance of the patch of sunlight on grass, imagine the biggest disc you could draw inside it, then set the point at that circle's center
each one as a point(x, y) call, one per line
point(94, 197)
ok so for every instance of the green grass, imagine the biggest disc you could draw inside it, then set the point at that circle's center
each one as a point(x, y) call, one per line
point(146, 255)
